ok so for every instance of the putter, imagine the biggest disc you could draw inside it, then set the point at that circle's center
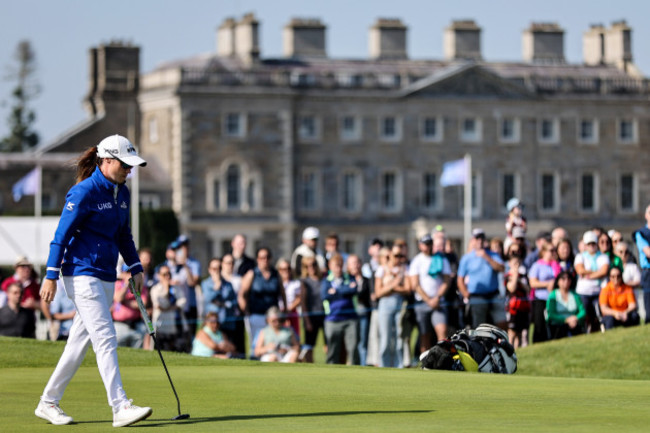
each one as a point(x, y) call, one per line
point(152, 333)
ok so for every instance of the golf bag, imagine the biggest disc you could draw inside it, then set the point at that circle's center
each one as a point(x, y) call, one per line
point(485, 349)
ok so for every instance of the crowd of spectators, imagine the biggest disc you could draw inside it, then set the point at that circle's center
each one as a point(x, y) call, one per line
point(367, 311)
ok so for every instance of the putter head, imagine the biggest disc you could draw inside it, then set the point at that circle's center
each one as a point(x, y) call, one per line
point(182, 416)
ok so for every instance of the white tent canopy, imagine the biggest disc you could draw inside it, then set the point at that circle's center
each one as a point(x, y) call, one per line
point(26, 236)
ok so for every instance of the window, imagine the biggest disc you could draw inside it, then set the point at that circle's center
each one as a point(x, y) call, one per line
point(351, 192)
point(587, 131)
point(308, 127)
point(390, 189)
point(509, 131)
point(299, 79)
point(232, 187)
point(548, 131)
point(307, 191)
point(431, 129)
point(627, 194)
point(430, 191)
point(549, 192)
point(588, 192)
point(509, 188)
point(470, 130)
point(390, 129)
point(235, 125)
point(350, 128)
point(627, 131)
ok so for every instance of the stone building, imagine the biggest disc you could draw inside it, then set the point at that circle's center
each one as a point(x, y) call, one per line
point(267, 146)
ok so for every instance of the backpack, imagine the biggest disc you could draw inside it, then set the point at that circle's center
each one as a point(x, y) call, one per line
point(485, 349)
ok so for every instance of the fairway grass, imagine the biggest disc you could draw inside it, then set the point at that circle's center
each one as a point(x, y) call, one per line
point(243, 396)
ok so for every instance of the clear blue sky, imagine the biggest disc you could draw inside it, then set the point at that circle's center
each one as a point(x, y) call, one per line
point(62, 31)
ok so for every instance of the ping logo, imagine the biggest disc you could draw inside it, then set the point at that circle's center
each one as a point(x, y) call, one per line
point(123, 205)
point(69, 206)
point(113, 151)
point(102, 206)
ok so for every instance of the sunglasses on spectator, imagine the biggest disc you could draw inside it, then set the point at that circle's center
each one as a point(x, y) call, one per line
point(283, 268)
point(165, 274)
point(399, 256)
point(227, 262)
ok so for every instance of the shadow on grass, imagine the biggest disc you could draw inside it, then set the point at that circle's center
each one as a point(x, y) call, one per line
point(161, 422)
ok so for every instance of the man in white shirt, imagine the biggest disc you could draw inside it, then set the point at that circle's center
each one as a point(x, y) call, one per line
point(429, 273)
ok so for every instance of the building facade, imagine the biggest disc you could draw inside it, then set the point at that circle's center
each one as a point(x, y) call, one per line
point(240, 143)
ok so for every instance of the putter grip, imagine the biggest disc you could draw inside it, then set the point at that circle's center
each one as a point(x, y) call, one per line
point(143, 311)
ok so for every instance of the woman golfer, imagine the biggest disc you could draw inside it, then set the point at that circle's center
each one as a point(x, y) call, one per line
point(93, 229)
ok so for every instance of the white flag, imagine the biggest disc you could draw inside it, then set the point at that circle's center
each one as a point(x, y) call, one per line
point(28, 185)
point(454, 173)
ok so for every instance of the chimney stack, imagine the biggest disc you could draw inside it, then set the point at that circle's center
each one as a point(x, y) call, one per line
point(388, 39)
point(593, 45)
point(226, 37)
point(247, 39)
point(304, 38)
point(544, 42)
point(462, 40)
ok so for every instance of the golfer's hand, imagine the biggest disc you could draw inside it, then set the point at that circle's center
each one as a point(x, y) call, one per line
point(48, 290)
point(138, 280)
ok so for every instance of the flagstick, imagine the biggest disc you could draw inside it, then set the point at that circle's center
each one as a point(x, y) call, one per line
point(467, 227)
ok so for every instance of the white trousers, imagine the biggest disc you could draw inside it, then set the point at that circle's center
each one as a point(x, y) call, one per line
point(93, 323)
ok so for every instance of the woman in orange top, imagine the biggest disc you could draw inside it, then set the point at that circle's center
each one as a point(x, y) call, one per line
point(617, 302)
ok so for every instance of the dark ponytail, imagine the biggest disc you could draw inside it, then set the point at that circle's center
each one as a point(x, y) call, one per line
point(86, 164)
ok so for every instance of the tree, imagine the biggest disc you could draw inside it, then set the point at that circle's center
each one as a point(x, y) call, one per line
point(21, 136)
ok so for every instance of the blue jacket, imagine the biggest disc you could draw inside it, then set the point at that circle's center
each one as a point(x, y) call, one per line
point(340, 305)
point(92, 231)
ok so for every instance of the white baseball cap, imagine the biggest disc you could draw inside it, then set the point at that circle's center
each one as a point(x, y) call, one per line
point(589, 237)
point(119, 148)
point(311, 233)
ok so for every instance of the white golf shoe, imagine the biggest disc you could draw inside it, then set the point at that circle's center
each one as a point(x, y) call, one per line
point(52, 413)
point(129, 414)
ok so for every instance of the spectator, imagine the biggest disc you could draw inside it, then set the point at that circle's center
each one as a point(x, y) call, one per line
point(149, 273)
point(515, 219)
point(311, 305)
point(210, 342)
point(631, 272)
point(168, 302)
point(368, 269)
point(406, 323)
point(242, 263)
point(391, 285)
point(62, 311)
point(220, 298)
point(542, 238)
point(605, 247)
point(291, 293)
point(187, 276)
point(592, 267)
point(496, 246)
point(566, 313)
point(558, 234)
point(129, 327)
point(276, 343)
point(27, 280)
point(338, 292)
point(261, 288)
point(373, 356)
point(16, 320)
point(429, 275)
point(616, 237)
point(642, 240)
point(542, 279)
point(617, 302)
point(477, 282)
point(364, 304)
point(518, 304)
point(453, 299)
point(308, 248)
point(332, 247)
point(566, 258)
point(238, 338)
